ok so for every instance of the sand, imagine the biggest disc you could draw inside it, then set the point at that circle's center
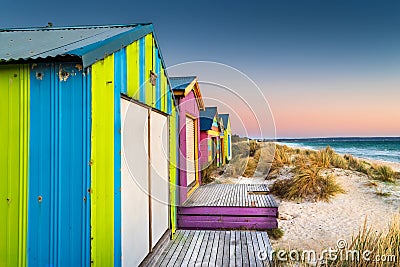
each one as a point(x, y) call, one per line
point(319, 225)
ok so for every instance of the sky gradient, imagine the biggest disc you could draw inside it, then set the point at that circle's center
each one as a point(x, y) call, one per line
point(326, 68)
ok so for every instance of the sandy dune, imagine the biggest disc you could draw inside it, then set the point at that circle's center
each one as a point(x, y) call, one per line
point(319, 225)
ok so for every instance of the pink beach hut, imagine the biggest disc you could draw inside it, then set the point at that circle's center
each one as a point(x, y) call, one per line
point(210, 137)
point(188, 95)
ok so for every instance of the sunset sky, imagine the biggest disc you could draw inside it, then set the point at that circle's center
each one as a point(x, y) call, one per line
point(326, 68)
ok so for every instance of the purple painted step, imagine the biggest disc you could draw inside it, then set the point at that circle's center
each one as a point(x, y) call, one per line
point(213, 225)
point(215, 210)
point(227, 218)
point(229, 206)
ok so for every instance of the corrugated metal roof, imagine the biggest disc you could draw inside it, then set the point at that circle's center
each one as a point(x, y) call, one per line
point(225, 118)
point(92, 43)
point(207, 118)
point(180, 83)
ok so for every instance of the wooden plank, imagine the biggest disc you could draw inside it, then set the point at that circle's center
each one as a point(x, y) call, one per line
point(245, 252)
point(181, 249)
point(190, 249)
point(202, 248)
point(232, 249)
point(267, 245)
point(207, 251)
point(229, 195)
point(238, 249)
point(221, 248)
point(256, 248)
point(159, 250)
point(226, 249)
point(171, 250)
point(250, 247)
point(263, 248)
point(212, 225)
point(197, 247)
point(242, 211)
point(226, 218)
point(214, 248)
point(161, 258)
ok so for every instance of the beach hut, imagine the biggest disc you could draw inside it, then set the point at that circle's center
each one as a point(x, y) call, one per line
point(227, 143)
point(190, 102)
point(88, 153)
point(210, 137)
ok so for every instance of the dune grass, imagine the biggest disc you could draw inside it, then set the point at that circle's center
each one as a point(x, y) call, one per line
point(383, 244)
point(307, 184)
point(307, 166)
point(379, 243)
point(282, 156)
point(207, 173)
point(338, 161)
point(322, 159)
point(383, 173)
point(276, 233)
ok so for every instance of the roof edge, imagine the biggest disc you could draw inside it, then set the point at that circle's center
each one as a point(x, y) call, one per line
point(113, 44)
point(72, 27)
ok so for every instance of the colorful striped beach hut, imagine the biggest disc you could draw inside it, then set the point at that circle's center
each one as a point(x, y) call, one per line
point(88, 146)
point(190, 102)
point(227, 142)
point(210, 137)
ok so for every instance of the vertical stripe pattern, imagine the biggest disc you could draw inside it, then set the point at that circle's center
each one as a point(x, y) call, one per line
point(14, 118)
point(102, 220)
point(58, 166)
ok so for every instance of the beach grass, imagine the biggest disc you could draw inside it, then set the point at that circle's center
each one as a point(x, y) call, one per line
point(322, 159)
point(382, 193)
point(207, 173)
point(276, 233)
point(369, 247)
point(383, 173)
point(307, 184)
point(381, 245)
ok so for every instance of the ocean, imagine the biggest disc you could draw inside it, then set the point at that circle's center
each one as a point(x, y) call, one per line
point(376, 148)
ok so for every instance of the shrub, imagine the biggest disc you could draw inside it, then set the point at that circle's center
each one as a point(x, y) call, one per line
point(338, 161)
point(282, 157)
point(383, 173)
point(383, 193)
point(322, 159)
point(280, 187)
point(352, 161)
point(207, 173)
point(253, 147)
point(300, 162)
point(275, 233)
point(308, 184)
point(363, 167)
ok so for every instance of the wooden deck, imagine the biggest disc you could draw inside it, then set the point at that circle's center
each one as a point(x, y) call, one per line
point(229, 206)
point(214, 248)
point(231, 195)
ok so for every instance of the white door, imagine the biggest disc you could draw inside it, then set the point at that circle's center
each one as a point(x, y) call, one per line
point(135, 201)
point(159, 184)
point(190, 151)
